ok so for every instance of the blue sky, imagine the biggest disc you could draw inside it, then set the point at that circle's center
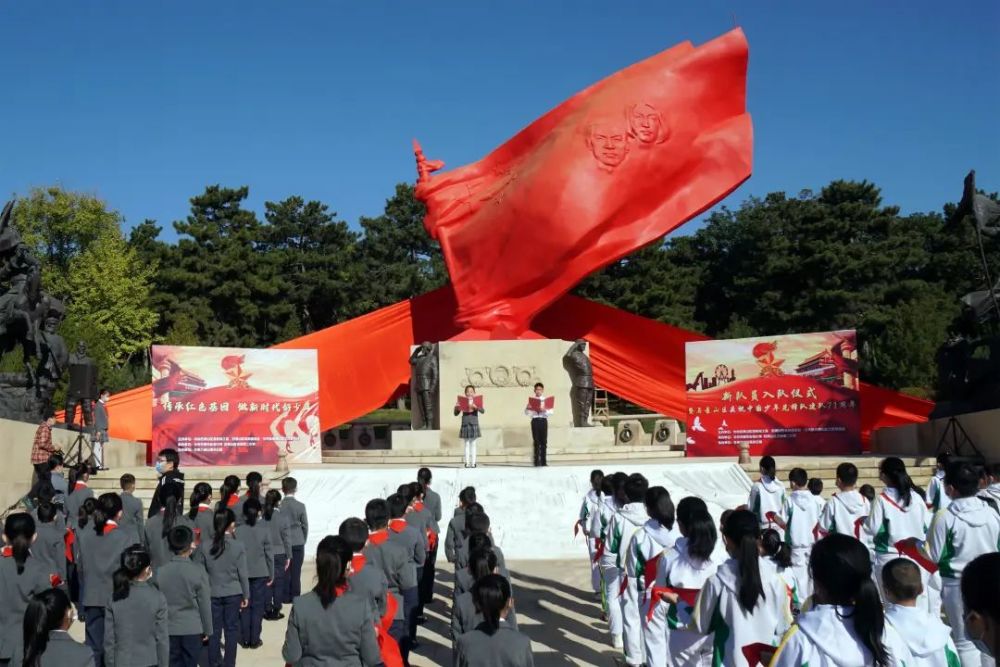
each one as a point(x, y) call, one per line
point(145, 103)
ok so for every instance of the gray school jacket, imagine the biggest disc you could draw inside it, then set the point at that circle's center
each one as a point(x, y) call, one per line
point(409, 538)
point(395, 567)
point(61, 651)
point(342, 635)
point(370, 583)
point(74, 501)
point(433, 502)
point(298, 520)
point(100, 556)
point(185, 586)
point(59, 519)
point(465, 618)
point(422, 522)
point(227, 574)
point(16, 591)
point(132, 513)
point(455, 536)
point(135, 629)
point(238, 508)
point(504, 648)
point(159, 549)
point(281, 533)
point(203, 524)
point(256, 539)
point(50, 547)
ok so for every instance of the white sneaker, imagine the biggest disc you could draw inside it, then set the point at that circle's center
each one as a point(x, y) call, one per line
point(616, 642)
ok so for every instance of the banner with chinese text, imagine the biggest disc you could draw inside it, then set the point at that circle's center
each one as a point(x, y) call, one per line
point(793, 394)
point(232, 406)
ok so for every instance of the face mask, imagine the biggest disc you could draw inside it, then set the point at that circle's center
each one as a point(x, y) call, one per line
point(160, 467)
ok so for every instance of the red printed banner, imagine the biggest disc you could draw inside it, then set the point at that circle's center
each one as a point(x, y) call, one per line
point(793, 394)
point(230, 406)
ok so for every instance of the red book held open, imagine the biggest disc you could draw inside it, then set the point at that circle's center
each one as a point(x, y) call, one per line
point(466, 404)
point(541, 404)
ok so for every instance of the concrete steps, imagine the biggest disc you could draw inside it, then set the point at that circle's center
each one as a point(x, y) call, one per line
point(920, 468)
point(146, 478)
point(503, 455)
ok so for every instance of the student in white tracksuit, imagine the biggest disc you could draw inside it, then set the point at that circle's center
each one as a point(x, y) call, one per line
point(937, 498)
point(767, 496)
point(624, 525)
point(800, 530)
point(846, 627)
point(614, 497)
point(847, 507)
point(993, 488)
point(967, 529)
point(687, 566)
point(649, 544)
point(927, 637)
point(590, 505)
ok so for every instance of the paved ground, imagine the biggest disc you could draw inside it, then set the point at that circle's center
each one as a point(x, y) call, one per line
point(554, 607)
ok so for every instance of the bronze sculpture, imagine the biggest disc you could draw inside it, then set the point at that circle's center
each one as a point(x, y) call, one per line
point(423, 380)
point(581, 373)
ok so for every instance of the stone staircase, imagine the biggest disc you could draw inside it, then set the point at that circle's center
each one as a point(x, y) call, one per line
point(921, 469)
point(145, 479)
point(505, 455)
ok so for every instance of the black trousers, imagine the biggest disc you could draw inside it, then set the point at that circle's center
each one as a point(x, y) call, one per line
point(540, 439)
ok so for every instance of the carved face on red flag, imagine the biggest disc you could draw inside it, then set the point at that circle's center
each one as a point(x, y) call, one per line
point(573, 192)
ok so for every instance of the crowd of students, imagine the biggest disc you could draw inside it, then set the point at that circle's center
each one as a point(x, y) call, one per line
point(859, 579)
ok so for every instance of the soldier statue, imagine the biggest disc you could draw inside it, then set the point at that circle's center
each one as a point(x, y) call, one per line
point(424, 380)
point(53, 359)
point(581, 373)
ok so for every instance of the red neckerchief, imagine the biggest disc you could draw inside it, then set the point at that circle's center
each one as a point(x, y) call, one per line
point(110, 526)
point(418, 506)
point(358, 563)
point(379, 536)
point(79, 485)
point(204, 508)
point(397, 525)
point(7, 552)
point(885, 496)
point(232, 501)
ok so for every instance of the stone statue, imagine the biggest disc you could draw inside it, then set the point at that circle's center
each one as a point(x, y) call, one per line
point(80, 397)
point(424, 380)
point(53, 359)
point(581, 373)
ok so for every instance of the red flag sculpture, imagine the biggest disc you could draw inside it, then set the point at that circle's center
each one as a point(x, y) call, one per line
point(609, 170)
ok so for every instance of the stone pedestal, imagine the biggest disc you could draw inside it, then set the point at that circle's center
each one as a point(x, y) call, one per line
point(416, 440)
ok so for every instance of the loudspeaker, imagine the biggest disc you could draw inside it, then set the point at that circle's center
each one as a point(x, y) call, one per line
point(82, 382)
point(630, 432)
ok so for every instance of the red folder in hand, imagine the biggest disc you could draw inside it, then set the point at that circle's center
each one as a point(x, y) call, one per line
point(758, 653)
point(910, 549)
point(541, 404)
point(465, 404)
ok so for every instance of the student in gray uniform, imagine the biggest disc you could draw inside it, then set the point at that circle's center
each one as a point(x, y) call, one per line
point(132, 513)
point(456, 527)
point(50, 541)
point(393, 559)
point(226, 563)
point(422, 518)
point(159, 525)
point(46, 496)
point(412, 542)
point(365, 579)
point(79, 524)
point(255, 536)
point(200, 513)
point(493, 643)
point(478, 542)
point(464, 615)
point(21, 577)
point(432, 502)
point(78, 490)
point(476, 523)
point(100, 553)
point(135, 626)
point(47, 643)
point(281, 547)
point(330, 625)
point(185, 586)
point(229, 494)
point(254, 481)
point(298, 522)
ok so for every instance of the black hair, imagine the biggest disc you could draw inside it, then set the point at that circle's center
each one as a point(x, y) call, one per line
point(289, 485)
point(170, 494)
point(842, 571)
point(223, 519)
point(103, 391)
point(847, 473)
point(44, 492)
point(354, 532)
point(55, 461)
point(127, 481)
point(868, 491)
point(251, 511)
point(618, 486)
point(171, 456)
point(742, 530)
point(482, 562)
point(404, 491)
point(230, 487)
point(491, 595)
point(607, 487)
point(895, 475)
point(994, 470)
point(701, 535)
point(424, 476)
point(376, 514)
point(539, 385)
point(636, 487)
point(660, 506)
point(134, 561)
point(981, 586)
point(201, 493)
point(471, 510)
point(468, 387)
point(479, 541)
point(397, 506)
point(798, 476)
point(768, 466)
point(45, 612)
point(778, 551)
point(901, 578)
point(19, 529)
point(963, 477)
point(943, 459)
point(815, 486)
point(48, 414)
point(254, 480)
point(180, 539)
point(87, 508)
point(77, 472)
point(271, 501)
point(416, 490)
point(467, 496)
point(46, 513)
point(687, 506)
point(596, 479)
point(330, 569)
point(109, 506)
point(477, 523)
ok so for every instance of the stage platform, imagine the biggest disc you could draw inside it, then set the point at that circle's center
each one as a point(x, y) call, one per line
point(505, 455)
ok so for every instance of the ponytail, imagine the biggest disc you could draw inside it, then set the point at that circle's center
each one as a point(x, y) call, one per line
point(330, 568)
point(780, 552)
point(271, 502)
point(842, 570)
point(108, 507)
point(86, 511)
point(223, 519)
point(491, 595)
point(202, 492)
point(894, 471)
point(254, 480)
point(45, 613)
point(134, 561)
point(251, 511)
point(701, 535)
point(19, 529)
point(742, 530)
point(229, 488)
point(482, 562)
point(171, 512)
